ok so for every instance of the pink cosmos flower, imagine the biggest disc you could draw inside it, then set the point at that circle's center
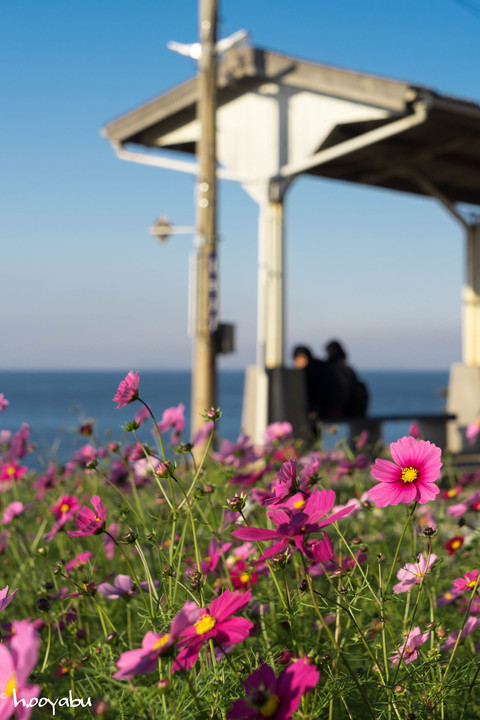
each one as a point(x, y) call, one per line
point(277, 431)
point(142, 415)
point(215, 621)
point(238, 454)
point(64, 510)
point(204, 433)
point(46, 482)
point(469, 627)
point(173, 418)
point(79, 560)
point(16, 663)
point(9, 472)
point(407, 651)
point(145, 659)
point(89, 522)
point(3, 402)
point(413, 573)
point(471, 433)
point(466, 583)
point(5, 598)
point(411, 476)
point(108, 543)
point(296, 526)
point(414, 431)
point(286, 484)
point(122, 586)
point(13, 510)
point(19, 446)
point(214, 553)
point(127, 390)
point(277, 698)
point(469, 503)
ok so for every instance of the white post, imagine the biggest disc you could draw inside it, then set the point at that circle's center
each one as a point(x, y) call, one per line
point(270, 321)
point(471, 300)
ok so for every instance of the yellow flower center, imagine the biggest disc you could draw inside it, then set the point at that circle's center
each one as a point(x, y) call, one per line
point(299, 503)
point(10, 471)
point(471, 584)
point(270, 707)
point(448, 595)
point(455, 544)
point(244, 577)
point(452, 492)
point(161, 642)
point(205, 624)
point(409, 474)
point(64, 508)
point(10, 686)
point(97, 519)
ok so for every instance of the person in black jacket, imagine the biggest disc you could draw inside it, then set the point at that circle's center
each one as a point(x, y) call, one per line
point(353, 394)
point(324, 387)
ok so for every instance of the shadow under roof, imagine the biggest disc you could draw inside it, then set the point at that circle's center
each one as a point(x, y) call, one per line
point(445, 149)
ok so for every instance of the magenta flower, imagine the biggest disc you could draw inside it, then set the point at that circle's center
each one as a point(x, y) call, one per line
point(286, 485)
point(145, 659)
point(277, 698)
point(407, 651)
point(11, 471)
point(89, 522)
point(16, 664)
point(294, 527)
point(5, 598)
point(414, 431)
point(3, 402)
point(215, 621)
point(127, 390)
point(466, 583)
point(64, 510)
point(413, 573)
point(469, 627)
point(411, 476)
point(13, 510)
point(214, 553)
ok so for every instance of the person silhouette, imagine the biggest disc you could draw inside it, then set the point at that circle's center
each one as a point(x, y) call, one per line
point(352, 393)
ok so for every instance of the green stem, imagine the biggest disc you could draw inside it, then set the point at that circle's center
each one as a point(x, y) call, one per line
point(392, 569)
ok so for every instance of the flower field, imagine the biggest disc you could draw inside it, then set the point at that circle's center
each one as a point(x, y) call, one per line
point(166, 579)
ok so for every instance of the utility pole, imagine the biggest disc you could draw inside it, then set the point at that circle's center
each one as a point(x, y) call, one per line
point(204, 345)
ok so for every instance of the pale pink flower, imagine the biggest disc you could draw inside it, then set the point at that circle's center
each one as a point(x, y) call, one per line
point(412, 475)
point(5, 598)
point(471, 433)
point(277, 431)
point(3, 402)
point(413, 573)
point(204, 433)
point(407, 651)
point(173, 418)
point(127, 390)
point(13, 510)
point(16, 664)
point(467, 504)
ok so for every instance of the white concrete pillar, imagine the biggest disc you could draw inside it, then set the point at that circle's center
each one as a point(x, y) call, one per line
point(270, 320)
point(471, 300)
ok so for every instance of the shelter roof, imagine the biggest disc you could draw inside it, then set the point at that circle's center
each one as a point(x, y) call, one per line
point(444, 149)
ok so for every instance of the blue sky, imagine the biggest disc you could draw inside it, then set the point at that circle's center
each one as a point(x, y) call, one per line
point(83, 285)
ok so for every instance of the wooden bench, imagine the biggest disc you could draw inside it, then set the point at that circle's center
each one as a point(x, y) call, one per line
point(287, 401)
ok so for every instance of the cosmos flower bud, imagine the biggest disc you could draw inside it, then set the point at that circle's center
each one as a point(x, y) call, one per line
point(237, 502)
point(212, 414)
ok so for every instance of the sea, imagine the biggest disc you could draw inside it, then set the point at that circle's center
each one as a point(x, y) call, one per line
point(54, 403)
